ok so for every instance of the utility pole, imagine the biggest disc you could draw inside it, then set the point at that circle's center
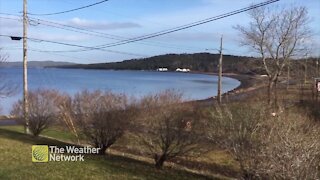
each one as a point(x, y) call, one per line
point(288, 75)
point(25, 68)
point(220, 72)
point(317, 67)
point(305, 69)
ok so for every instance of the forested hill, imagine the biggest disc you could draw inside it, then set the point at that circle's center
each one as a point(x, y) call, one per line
point(203, 62)
point(36, 64)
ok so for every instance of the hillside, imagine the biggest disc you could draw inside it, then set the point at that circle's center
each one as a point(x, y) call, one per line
point(203, 62)
point(36, 64)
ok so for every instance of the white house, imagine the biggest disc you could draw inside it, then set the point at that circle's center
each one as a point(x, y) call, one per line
point(182, 70)
point(162, 69)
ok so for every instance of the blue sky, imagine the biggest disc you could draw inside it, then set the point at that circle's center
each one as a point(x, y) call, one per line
point(131, 18)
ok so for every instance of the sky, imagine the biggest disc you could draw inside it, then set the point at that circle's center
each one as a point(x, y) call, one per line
point(121, 19)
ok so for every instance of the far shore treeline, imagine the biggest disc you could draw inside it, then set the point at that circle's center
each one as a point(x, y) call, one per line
point(198, 62)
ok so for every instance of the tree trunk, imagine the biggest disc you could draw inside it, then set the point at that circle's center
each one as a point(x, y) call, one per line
point(270, 87)
point(249, 175)
point(102, 150)
point(288, 76)
point(159, 160)
point(276, 104)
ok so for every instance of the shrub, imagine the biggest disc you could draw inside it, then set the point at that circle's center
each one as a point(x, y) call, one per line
point(101, 117)
point(239, 130)
point(168, 127)
point(42, 110)
point(286, 146)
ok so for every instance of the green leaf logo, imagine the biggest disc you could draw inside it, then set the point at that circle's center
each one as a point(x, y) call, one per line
point(40, 153)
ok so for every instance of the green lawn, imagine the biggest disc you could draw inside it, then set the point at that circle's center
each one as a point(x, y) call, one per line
point(15, 163)
point(53, 132)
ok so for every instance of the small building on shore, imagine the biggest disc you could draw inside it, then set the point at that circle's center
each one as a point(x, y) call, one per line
point(182, 70)
point(162, 69)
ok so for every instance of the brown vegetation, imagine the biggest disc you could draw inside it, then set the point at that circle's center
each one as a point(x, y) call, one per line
point(101, 118)
point(170, 128)
point(43, 110)
point(285, 145)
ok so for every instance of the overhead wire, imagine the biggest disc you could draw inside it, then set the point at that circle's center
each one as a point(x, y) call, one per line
point(38, 21)
point(57, 54)
point(105, 35)
point(76, 45)
point(168, 31)
point(40, 51)
point(67, 11)
point(187, 26)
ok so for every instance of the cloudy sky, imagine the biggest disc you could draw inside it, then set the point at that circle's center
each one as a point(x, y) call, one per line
point(121, 19)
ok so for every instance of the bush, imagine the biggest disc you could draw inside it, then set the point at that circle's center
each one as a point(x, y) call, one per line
point(167, 126)
point(101, 118)
point(239, 130)
point(286, 146)
point(42, 110)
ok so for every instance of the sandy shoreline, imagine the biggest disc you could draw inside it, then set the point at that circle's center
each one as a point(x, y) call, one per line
point(248, 84)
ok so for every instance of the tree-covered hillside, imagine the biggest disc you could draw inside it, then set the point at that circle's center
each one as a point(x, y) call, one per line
point(203, 62)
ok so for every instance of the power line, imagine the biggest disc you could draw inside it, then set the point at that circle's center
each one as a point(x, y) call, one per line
point(80, 46)
point(86, 47)
point(62, 55)
point(82, 50)
point(104, 11)
point(9, 18)
point(94, 33)
point(105, 35)
point(40, 51)
point(71, 10)
point(179, 28)
point(101, 34)
point(187, 26)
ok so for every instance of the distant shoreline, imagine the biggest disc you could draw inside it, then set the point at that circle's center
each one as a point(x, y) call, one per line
point(248, 84)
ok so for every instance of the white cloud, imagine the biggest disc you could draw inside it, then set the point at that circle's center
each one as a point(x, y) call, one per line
point(59, 37)
point(101, 25)
point(10, 27)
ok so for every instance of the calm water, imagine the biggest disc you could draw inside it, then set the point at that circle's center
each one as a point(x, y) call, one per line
point(133, 83)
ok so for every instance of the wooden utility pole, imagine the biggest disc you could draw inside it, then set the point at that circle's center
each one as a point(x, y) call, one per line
point(305, 69)
point(220, 73)
point(25, 68)
point(288, 75)
point(317, 67)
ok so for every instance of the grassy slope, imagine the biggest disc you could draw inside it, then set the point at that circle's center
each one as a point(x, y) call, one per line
point(213, 162)
point(15, 163)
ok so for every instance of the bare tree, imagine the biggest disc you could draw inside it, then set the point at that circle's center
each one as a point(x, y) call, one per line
point(282, 147)
point(239, 129)
point(67, 116)
point(43, 110)
point(101, 117)
point(168, 127)
point(277, 35)
point(293, 150)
